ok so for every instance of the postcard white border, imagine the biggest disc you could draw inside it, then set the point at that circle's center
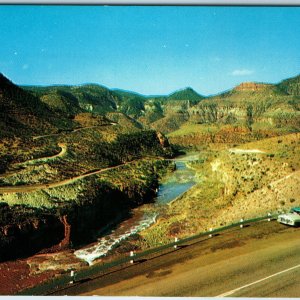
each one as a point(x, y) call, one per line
point(159, 2)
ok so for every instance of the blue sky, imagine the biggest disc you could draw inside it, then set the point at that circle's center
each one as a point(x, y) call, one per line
point(150, 50)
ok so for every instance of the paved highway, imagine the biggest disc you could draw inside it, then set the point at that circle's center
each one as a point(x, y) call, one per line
point(262, 260)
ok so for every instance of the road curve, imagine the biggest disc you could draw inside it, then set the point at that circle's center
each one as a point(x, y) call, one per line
point(261, 260)
point(35, 187)
point(63, 151)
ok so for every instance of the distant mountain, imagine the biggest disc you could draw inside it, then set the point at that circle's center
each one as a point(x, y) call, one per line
point(248, 92)
point(186, 94)
point(56, 106)
point(98, 99)
point(255, 106)
point(125, 95)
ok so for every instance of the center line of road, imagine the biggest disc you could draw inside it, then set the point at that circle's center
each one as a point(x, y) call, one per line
point(257, 281)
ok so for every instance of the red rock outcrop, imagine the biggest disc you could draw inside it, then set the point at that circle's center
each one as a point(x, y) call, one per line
point(251, 86)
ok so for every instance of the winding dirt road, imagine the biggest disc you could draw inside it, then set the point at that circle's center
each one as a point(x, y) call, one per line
point(72, 130)
point(62, 152)
point(35, 187)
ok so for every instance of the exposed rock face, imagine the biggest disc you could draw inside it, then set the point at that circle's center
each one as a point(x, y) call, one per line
point(27, 233)
point(65, 242)
point(163, 140)
point(252, 86)
point(211, 113)
point(48, 232)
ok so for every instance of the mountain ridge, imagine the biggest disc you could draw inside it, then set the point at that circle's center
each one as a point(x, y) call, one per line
point(269, 102)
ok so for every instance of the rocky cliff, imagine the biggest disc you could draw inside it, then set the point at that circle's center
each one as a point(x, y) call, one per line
point(252, 86)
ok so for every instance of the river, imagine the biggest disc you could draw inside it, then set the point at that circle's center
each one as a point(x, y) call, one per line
point(171, 187)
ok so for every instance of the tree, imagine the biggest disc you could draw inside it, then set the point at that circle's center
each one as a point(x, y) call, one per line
point(249, 120)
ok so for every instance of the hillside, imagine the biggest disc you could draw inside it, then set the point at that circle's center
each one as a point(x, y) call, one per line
point(186, 94)
point(250, 111)
point(242, 182)
point(89, 97)
point(291, 86)
point(22, 113)
point(65, 163)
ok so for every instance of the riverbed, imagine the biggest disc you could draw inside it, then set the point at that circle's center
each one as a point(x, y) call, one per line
point(171, 187)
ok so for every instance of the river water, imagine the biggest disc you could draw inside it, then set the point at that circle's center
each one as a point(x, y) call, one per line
point(175, 184)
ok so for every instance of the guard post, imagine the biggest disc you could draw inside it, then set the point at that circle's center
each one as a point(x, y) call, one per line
point(269, 217)
point(72, 274)
point(131, 256)
point(242, 220)
point(176, 240)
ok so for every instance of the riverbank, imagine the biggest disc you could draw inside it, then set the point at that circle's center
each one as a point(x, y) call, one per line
point(238, 182)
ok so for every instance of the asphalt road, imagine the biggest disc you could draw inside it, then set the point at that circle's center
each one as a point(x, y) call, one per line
point(262, 260)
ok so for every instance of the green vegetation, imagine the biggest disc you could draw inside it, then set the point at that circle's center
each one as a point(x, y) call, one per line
point(186, 94)
point(291, 86)
point(115, 130)
point(22, 114)
point(90, 97)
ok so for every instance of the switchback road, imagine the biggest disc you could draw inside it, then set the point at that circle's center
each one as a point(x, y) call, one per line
point(261, 260)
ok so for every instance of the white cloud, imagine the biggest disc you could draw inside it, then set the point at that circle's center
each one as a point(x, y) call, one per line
point(241, 72)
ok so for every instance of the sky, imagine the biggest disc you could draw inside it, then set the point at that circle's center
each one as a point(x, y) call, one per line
point(150, 50)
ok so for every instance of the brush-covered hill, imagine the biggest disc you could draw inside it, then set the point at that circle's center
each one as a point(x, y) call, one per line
point(290, 86)
point(130, 103)
point(186, 94)
point(250, 106)
point(89, 97)
point(22, 113)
